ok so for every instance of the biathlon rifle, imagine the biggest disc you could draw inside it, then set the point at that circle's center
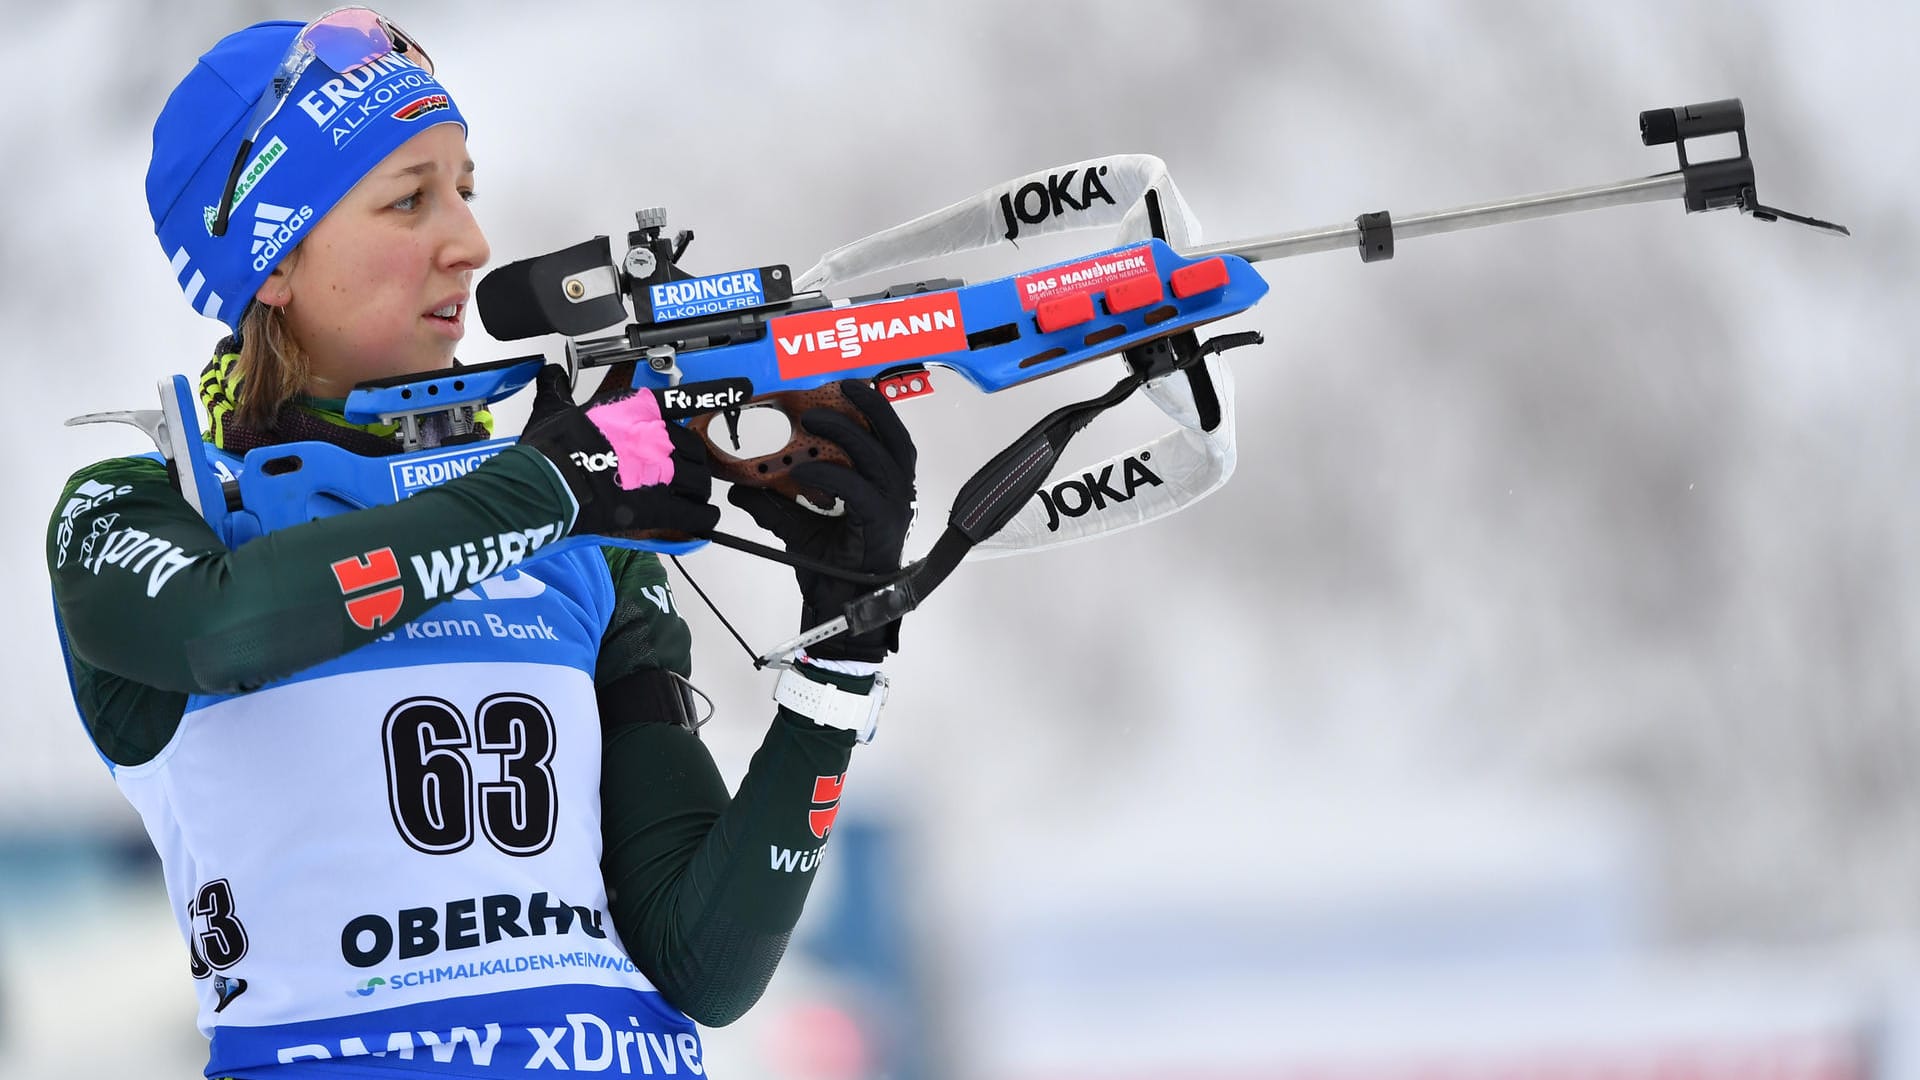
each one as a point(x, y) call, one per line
point(712, 346)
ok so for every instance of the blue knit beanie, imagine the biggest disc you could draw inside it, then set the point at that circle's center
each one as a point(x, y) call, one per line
point(332, 130)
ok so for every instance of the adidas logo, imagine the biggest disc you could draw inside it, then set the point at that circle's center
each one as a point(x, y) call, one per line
point(274, 227)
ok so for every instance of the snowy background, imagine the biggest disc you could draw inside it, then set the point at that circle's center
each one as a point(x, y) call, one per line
point(1541, 692)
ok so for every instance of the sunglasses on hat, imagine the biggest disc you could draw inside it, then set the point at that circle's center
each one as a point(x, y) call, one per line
point(343, 39)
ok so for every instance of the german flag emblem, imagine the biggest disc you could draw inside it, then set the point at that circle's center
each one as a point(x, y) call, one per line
point(419, 107)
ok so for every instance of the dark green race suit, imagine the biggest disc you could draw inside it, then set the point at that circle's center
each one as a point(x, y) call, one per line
point(687, 868)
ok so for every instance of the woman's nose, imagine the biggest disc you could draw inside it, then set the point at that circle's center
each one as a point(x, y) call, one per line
point(466, 247)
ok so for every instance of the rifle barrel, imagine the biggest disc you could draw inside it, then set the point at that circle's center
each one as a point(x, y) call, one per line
point(1525, 208)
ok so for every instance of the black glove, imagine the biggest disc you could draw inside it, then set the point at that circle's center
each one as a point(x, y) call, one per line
point(878, 496)
point(672, 485)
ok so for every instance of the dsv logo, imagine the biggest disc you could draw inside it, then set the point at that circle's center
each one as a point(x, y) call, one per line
point(1036, 202)
point(1092, 491)
point(595, 463)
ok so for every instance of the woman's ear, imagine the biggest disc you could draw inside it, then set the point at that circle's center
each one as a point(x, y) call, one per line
point(277, 290)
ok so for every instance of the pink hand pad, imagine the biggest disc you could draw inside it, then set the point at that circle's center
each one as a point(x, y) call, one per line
point(633, 427)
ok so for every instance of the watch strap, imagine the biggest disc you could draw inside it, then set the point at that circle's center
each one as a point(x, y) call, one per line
point(830, 705)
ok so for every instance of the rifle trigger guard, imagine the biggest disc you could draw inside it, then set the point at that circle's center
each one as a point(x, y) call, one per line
point(773, 470)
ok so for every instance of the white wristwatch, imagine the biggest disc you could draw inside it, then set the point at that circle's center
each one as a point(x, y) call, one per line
point(824, 703)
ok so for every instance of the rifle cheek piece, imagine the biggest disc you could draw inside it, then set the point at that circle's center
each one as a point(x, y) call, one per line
point(573, 291)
